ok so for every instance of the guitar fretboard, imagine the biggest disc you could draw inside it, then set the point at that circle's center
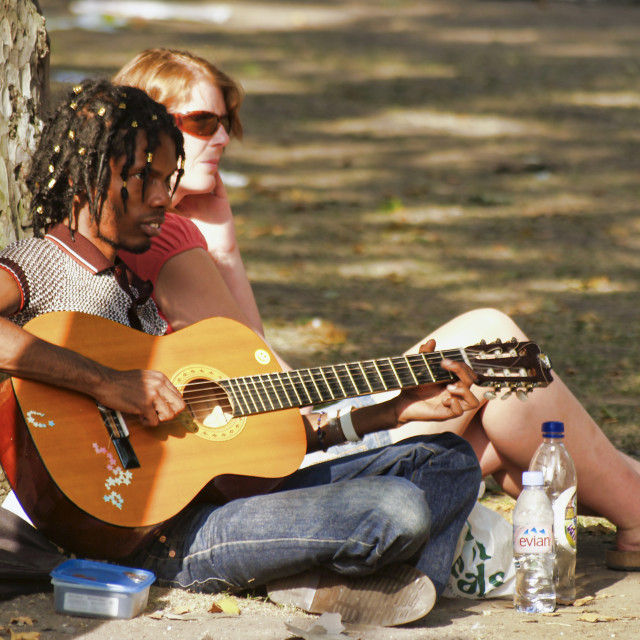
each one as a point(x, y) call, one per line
point(305, 387)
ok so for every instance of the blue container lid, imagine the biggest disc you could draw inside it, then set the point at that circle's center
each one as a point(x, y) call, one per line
point(101, 575)
point(553, 429)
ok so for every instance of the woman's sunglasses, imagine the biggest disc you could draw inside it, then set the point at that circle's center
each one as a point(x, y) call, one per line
point(202, 124)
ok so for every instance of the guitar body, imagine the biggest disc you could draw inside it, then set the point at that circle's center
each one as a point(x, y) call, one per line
point(60, 458)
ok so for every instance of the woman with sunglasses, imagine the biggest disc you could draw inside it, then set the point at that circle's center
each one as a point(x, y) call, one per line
point(196, 252)
point(197, 272)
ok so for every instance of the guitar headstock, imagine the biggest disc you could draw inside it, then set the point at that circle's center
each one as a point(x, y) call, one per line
point(516, 366)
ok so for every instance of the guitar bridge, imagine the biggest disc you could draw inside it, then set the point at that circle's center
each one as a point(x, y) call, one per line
point(119, 433)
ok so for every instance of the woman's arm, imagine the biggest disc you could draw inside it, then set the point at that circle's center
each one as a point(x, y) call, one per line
point(190, 288)
point(211, 213)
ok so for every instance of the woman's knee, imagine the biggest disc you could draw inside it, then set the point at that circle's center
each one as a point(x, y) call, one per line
point(492, 321)
point(479, 324)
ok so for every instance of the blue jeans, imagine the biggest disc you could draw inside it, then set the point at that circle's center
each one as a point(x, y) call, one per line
point(353, 515)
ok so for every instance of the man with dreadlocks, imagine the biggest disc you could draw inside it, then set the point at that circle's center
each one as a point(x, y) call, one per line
point(100, 181)
point(102, 178)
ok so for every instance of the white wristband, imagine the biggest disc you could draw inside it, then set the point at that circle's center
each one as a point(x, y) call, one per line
point(346, 424)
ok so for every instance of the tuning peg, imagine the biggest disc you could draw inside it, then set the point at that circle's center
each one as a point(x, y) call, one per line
point(506, 395)
point(522, 395)
point(490, 395)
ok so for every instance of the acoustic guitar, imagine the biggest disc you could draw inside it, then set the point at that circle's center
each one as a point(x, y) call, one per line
point(98, 483)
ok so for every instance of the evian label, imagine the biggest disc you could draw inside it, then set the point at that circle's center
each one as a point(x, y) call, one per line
point(533, 539)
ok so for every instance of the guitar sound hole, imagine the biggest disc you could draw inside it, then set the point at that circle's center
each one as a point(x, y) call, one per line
point(207, 403)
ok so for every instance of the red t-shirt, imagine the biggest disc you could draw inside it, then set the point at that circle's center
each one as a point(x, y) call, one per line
point(178, 234)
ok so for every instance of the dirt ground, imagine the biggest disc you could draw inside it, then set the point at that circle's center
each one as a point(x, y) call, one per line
point(608, 608)
point(405, 161)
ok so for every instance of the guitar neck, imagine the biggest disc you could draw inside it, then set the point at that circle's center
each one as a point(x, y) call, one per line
point(256, 394)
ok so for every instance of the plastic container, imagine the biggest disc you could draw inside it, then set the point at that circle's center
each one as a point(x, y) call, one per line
point(533, 548)
point(101, 590)
point(560, 485)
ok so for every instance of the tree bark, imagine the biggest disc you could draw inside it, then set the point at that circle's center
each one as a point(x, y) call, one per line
point(24, 92)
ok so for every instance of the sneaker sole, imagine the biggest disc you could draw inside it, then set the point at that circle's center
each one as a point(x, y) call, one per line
point(393, 596)
point(622, 560)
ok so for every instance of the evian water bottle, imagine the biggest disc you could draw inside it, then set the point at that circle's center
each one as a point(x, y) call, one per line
point(533, 547)
point(560, 485)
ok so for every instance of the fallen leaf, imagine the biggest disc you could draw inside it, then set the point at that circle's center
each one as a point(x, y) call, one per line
point(595, 617)
point(362, 305)
point(22, 621)
point(601, 283)
point(156, 615)
point(180, 611)
point(582, 601)
point(328, 627)
point(180, 616)
point(170, 615)
point(215, 608)
point(24, 635)
point(229, 605)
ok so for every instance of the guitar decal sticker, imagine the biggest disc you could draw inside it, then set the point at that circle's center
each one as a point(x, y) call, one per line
point(115, 499)
point(118, 477)
point(262, 356)
point(40, 425)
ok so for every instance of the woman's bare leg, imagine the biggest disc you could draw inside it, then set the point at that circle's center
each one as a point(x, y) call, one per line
point(505, 433)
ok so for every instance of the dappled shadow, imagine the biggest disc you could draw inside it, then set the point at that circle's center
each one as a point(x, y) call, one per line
point(412, 160)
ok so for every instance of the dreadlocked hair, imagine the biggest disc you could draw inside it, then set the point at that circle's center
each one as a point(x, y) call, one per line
point(96, 122)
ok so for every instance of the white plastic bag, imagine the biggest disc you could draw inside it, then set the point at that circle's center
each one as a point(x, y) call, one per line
point(483, 563)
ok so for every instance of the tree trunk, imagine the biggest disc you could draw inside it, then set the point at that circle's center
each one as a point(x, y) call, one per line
point(24, 90)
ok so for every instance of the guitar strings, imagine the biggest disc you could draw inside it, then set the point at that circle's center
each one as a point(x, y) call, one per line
point(278, 387)
point(335, 373)
point(201, 394)
point(339, 373)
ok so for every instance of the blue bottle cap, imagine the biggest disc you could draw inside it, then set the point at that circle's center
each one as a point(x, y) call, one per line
point(532, 478)
point(553, 429)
